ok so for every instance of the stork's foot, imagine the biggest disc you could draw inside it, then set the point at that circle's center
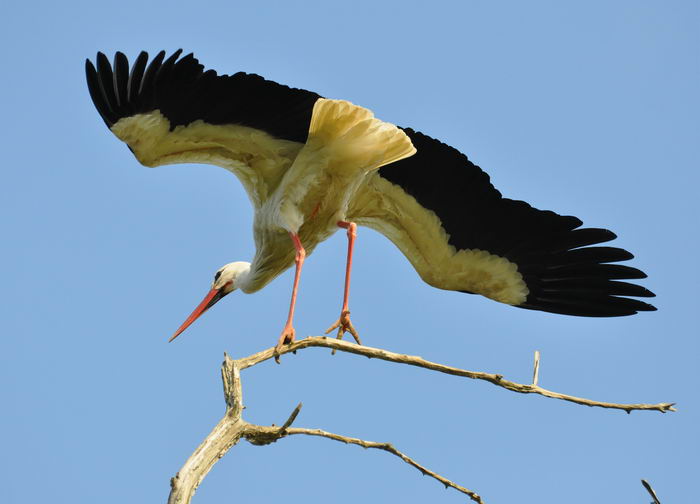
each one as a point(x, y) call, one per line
point(287, 337)
point(344, 325)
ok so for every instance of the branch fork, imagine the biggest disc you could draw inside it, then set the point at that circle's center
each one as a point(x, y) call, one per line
point(232, 427)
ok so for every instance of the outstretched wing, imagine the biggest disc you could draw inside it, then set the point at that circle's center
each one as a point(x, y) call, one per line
point(460, 234)
point(172, 111)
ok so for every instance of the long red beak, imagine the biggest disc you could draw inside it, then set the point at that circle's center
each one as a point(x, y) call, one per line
point(208, 301)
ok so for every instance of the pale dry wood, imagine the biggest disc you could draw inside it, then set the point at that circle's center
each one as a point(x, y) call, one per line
point(536, 369)
point(412, 360)
point(388, 447)
point(224, 435)
point(231, 428)
point(261, 435)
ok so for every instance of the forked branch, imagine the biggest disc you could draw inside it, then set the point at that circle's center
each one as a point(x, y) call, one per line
point(231, 428)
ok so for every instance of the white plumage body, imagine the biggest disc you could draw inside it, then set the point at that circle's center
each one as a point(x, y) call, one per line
point(303, 189)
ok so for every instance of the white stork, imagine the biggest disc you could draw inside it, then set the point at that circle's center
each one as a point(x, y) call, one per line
point(311, 165)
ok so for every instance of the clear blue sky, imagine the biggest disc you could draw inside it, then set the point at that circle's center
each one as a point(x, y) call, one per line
point(590, 110)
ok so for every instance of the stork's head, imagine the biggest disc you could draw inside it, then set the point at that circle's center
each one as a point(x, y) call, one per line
point(226, 280)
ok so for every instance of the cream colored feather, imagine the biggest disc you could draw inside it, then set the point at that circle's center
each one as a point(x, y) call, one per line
point(351, 133)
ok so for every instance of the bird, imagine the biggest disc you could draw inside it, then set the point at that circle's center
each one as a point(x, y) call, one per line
point(312, 166)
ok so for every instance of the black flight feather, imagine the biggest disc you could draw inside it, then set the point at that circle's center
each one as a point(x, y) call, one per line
point(135, 77)
point(184, 93)
point(121, 79)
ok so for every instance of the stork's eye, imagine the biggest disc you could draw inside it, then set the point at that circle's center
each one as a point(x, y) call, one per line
point(216, 277)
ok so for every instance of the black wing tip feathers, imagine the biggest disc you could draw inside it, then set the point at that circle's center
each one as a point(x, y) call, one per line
point(604, 307)
point(562, 263)
point(584, 280)
point(112, 87)
point(180, 88)
point(101, 104)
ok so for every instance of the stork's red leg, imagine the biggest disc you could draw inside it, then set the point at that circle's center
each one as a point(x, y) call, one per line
point(288, 332)
point(343, 323)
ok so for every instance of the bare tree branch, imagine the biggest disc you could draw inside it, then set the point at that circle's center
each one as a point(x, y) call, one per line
point(233, 390)
point(536, 369)
point(646, 485)
point(224, 435)
point(389, 448)
point(231, 428)
point(261, 435)
point(412, 360)
point(290, 420)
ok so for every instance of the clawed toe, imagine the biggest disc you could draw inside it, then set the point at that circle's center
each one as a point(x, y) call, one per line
point(343, 324)
point(287, 337)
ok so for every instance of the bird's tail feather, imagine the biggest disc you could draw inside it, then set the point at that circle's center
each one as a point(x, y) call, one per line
point(356, 137)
